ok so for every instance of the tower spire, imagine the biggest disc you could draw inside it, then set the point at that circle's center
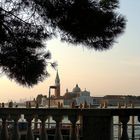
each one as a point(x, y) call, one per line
point(57, 79)
point(57, 84)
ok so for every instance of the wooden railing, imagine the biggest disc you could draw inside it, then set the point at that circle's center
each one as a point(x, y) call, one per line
point(95, 124)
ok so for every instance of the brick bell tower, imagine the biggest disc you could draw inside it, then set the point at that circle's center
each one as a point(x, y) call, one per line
point(57, 84)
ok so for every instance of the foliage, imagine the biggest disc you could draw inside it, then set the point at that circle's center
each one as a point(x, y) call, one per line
point(24, 24)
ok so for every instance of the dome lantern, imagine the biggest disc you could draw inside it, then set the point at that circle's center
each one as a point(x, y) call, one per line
point(76, 89)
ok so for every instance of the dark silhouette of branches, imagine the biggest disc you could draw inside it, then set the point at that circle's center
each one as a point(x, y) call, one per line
point(24, 24)
point(22, 54)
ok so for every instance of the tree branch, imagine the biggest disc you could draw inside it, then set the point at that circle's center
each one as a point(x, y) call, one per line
point(15, 16)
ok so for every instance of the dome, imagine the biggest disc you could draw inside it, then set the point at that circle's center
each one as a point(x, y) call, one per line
point(85, 93)
point(76, 89)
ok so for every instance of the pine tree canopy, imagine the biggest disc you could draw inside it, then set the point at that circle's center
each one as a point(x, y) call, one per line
point(26, 24)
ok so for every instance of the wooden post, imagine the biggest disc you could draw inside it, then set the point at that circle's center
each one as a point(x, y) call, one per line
point(81, 106)
point(101, 105)
point(59, 105)
point(105, 104)
point(85, 105)
point(3, 105)
point(73, 104)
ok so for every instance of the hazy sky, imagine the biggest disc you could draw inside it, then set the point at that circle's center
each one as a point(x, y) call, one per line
point(116, 71)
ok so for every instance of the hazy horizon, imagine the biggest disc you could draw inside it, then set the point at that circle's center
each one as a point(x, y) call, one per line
point(115, 71)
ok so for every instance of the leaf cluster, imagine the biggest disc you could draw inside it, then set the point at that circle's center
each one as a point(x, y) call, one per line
point(24, 24)
point(22, 54)
point(92, 23)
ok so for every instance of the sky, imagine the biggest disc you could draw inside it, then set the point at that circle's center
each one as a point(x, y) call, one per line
point(112, 72)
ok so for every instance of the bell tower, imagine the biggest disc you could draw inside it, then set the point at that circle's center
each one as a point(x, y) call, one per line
point(57, 84)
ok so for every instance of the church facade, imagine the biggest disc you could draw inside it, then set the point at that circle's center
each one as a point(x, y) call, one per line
point(76, 95)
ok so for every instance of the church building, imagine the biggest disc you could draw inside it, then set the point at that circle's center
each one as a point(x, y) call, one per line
point(76, 95)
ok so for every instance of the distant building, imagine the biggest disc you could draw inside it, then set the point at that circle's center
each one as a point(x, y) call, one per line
point(55, 101)
point(77, 96)
point(41, 99)
point(84, 97)
point(56, 98)
point(114, 100)
point(31, 103)
point(98, 100)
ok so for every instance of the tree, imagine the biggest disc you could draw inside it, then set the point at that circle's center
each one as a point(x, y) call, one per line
point(25, 24)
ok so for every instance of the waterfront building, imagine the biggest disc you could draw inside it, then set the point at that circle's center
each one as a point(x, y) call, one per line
point(55, 98)
point(113, 100)
point(77, 96)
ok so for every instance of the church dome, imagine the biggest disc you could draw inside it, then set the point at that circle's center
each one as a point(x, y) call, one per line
point(76, 89)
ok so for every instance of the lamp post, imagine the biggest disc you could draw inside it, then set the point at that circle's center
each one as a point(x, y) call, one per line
point(51, 87)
